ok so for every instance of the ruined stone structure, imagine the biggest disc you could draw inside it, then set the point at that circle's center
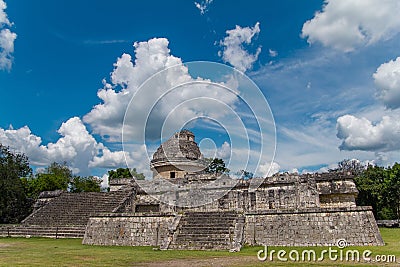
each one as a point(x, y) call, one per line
point(177, 157)
point(60, 214)
point(285, 209)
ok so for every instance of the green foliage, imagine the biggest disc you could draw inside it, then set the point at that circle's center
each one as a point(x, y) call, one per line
point(353, 166)
point(85, 184)
point(370, 185)
point(243, 174)
point(125, 173)
point(216, 165)
point(379, 187)
point(138, 176)
point(391, 194)
point(55, 177)
point(14, 205)
point(59, 177)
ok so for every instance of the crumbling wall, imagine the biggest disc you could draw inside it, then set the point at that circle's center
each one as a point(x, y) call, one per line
point(313, 227)
point(127, 230)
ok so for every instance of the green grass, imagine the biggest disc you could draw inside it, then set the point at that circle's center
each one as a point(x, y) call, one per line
point(70, 252)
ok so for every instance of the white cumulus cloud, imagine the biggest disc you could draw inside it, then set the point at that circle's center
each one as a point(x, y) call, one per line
point(234, 51)
point(7, 39)
point(106, 118)
point(268, 169)
point(362, 134)
point(104, 181)
point(176, 106)
point(224, 152)
point(76, 146)
point(346, 25)
point(387, 80)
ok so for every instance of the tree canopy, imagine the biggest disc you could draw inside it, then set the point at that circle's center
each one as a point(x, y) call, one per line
point(55, 177)
point(59, 177)
point(216, 165)
point(14, 205)
point(85, 184)
point(125, 173)
point(378, 187)
point(243, 174)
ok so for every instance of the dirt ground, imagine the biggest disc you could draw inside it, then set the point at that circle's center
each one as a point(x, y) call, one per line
point(218, 261)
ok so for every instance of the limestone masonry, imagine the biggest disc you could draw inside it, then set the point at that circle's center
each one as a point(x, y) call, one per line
point(285, 210)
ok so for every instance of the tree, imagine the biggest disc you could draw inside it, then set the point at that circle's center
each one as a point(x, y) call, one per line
point(243, 174)
point(55, 177)
point(14, 205)
point(138, 176)
point(353, 166)
point(391, 192)
point(85, 184)
point(370, 185)
point(125, 173)
point(379, 187)
point(216, 165)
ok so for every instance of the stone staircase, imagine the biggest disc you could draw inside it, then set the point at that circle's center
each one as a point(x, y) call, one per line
point(208, 230)
point(66, 215)
point(74, 209)
point(42, 231)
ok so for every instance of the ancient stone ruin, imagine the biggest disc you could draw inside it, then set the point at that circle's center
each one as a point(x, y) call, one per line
point(285, 210)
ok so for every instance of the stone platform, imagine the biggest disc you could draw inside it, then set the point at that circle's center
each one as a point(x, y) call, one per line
point(231, 230)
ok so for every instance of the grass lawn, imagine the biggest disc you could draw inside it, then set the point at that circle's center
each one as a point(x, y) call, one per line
point(70, 252)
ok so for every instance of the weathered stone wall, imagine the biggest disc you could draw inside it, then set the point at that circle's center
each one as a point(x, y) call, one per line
point(285, 210)
point(164, 172)
point(118, 183)
point(337, 200)
point(128, 230)
point(312, 227)
point(275, 193)
point(308, 227)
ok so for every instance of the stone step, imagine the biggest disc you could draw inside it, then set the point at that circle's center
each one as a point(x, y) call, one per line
point(208, 221)
point(202, 226)
point(202, 231)
point(202, 239)
point(200, 246)
point(205, 230)
point(206, 215)
point(28, 231)
point(61, 232)
point(76, 208)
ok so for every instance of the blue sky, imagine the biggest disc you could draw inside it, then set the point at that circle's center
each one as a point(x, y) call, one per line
point(332, 78)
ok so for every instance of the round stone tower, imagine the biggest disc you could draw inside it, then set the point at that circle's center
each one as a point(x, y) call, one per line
point(177, 156)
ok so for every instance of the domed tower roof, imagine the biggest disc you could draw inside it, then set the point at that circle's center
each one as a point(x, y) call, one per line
point(178, 156)
point(180, 145)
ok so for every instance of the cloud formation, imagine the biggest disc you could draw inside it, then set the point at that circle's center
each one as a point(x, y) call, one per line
point(163, 103)
point(387, 80)
point(106, 118)
point(272, 53)
point(172, 105)
point(346, 25)
point(7, 39)
point(234, 51)
point(76, 146)
point(362, 134)
point(268, 169)
point(381, 134)
point(203, 6)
